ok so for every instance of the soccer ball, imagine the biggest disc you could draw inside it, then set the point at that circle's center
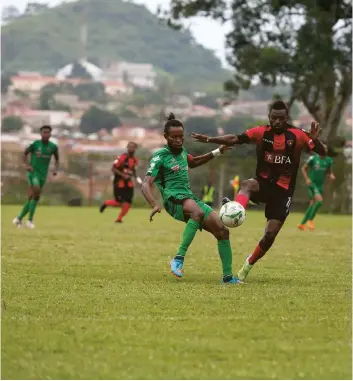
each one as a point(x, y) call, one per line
point(232, 214)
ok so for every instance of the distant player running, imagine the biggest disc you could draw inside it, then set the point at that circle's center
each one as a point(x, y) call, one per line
point(124, 169)
point(314, 172)
point(279, 146)
point(41, 152)
point(169, 170)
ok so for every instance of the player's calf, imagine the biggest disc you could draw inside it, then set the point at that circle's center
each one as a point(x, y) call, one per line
point(272, 229)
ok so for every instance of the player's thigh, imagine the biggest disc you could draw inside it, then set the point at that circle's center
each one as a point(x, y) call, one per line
point(194, 209)
point(214, 225)
point(37, 183)
point(311, 193)
point(175, 210)
point(261, 192)
point(318, 194)
point(278, 206)
point(127, 194)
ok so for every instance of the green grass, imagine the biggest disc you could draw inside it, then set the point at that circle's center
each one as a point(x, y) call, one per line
point(87, 299)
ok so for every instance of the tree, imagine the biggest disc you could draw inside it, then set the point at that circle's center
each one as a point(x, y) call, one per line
point(34, 8)
point(91, 91)
point(208, 100)
point(11, 124)
point(10, 13)
point(308, 43)
point(79, 71)
point(96, 119)
point(207, 126)
point(47, 99)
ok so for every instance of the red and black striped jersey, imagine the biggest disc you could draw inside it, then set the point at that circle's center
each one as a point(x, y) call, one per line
point(278, 155)
point(126, 164)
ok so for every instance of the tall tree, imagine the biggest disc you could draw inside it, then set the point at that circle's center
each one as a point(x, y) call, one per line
point(96, 119)
point(11, 124)
point(305, 42)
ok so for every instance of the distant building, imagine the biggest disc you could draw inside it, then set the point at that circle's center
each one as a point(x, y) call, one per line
point(139, 75)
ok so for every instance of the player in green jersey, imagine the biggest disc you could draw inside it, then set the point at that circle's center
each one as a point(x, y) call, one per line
point(169, 171)
point(41, 152)
point(314, 171)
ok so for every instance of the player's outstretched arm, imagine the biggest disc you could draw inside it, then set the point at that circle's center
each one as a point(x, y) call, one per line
point(228, 140)
point(147, 193)
point(197, 161)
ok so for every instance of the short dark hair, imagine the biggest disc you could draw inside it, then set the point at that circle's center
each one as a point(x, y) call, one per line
point(171, 121)
point(135, 144)
point(278, 105)
point(46, 127)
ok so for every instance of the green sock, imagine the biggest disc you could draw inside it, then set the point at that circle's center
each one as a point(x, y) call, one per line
point(307, 214)
point(225, 252)
point(314, 209)
point(24, 210)
point(32, 209)
point(188, 235)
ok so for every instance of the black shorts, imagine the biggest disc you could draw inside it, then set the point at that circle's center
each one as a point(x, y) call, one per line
point(125, 194)
point(277, 199)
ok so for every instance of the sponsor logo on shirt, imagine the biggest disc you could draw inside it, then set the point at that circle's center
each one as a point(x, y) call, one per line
point(268, 141)
point(277, 159)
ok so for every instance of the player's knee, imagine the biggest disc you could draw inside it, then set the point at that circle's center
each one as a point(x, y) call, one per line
point(198, 215)
point(222, 233)
point(318, 198)
point(36, 193)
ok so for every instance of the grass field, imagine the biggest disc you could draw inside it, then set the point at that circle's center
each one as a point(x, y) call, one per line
point(86, 299)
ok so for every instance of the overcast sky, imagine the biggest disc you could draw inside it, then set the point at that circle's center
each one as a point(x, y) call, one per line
point(209, 33)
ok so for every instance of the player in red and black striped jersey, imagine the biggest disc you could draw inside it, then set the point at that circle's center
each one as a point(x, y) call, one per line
point(278, 149)
point(124, 169)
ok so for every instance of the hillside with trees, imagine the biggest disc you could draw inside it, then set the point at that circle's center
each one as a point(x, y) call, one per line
point(46, 39)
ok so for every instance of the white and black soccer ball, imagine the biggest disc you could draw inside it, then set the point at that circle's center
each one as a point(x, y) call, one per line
point(232, 214)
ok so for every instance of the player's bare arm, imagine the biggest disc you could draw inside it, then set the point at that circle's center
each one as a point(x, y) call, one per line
point(25, 159)
point(147, 193)
point(332, 176)
point(227, 140)
point(56, 156)
point(137, 178)
point(117, 172)
point(197, 161)
point(304, 170)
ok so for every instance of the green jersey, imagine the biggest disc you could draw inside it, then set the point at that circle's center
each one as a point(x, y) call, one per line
point(319, 167)
point(41, 154)
point(171, 174)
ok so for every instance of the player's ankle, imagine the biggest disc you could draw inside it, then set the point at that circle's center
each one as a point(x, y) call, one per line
point(179, 257)
point(227, 278)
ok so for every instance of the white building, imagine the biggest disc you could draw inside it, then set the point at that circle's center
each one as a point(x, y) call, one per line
point(139, 75)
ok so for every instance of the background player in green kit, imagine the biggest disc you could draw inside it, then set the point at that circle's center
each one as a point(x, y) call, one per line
point(37, 170)
point(169, 170)
point(314, 171)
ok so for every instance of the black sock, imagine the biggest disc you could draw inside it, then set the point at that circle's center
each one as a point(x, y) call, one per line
point(179, 257)
point(227, 278)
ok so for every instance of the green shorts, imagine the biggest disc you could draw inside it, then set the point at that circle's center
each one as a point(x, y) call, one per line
point(35, 180)
point(175, 208)
point(314, 189)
